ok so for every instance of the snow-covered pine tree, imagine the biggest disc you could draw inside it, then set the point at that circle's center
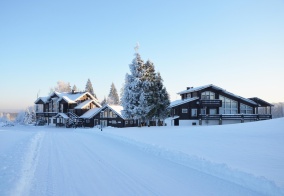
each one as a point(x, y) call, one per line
point(74, 88)
point(89, 88)
point(104, 101)
point(162, 100)
point(133, 89)
point(61, 87)
point(113, 98)
point(30, 116)
point(147, 98)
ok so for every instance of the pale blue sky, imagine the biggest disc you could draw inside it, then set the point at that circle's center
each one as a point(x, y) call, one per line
point(236, 45)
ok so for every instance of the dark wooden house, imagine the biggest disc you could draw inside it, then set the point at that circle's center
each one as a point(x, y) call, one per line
point(64, 109)
point(108, 115)
point(211, 104)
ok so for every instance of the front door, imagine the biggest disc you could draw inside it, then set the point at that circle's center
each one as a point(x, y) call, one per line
point(104, 123)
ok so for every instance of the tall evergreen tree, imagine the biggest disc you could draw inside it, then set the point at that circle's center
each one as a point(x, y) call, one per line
point(133, 89)
point(74, 88)
point(144, 96)
point(89, 88)
point(113, 98)
point(147, 98)
point(104, 101)
point(162, 99)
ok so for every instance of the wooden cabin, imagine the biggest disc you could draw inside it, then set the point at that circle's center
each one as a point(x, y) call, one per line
point(212, 105)
point(108, 115)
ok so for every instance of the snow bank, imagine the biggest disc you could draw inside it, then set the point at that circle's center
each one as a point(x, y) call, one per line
point(258, 184)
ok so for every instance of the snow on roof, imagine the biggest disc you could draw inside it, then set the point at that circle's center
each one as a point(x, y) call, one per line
point(68, 97)
point(196, 89)
point(172, 118)
point(90, 113)
point(180, 102)
point(117, 109)
point(260, 102)
point(62, 115)
point(217, 88)
point(44, 99)
point(83, 104)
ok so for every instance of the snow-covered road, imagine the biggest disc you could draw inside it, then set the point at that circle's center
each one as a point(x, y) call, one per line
point(59, 161)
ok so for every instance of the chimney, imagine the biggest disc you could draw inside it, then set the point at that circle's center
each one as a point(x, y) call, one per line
point(187, 88)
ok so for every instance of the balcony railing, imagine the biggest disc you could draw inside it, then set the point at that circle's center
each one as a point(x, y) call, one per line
point(210, 103)
point(235, 116)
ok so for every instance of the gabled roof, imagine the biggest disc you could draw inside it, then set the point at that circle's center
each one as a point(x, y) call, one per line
point(117, 109)
point(180, 102)
point(91, 113)
point(219, 89)
point(260, 102)
point(62, 115)
point(198, 89)
point(43, 99)
point(84, 104)
point(69, 97)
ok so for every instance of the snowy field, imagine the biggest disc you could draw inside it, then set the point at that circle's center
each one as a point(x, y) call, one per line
point(240, 159)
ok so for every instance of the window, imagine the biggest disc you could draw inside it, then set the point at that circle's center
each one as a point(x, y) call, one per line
point(126, 122)
point(203, 111)
point(110, 114)
point(61, 107)
point(194, 112)
point(118, 121)
point(87, 121)
point(184, 110)
point(105, 114)
point(245, 109)
point(188, 95)
point(229, 106)
point(114, 115)
point(212, 111)
point(113, 121)
point(102, 114)
point(131, 122)
point(207, 95)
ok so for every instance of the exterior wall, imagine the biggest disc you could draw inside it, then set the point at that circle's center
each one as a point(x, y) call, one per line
point(177, 111)
point(188, 123)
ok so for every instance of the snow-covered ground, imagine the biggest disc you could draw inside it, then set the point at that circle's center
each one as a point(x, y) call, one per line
point(239, 159)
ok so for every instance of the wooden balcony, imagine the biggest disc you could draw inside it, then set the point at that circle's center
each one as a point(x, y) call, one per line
point(236, 117)
point(45, 114)
point(210, 103)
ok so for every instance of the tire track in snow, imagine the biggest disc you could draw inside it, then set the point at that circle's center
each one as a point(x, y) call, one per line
point(30, 161)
